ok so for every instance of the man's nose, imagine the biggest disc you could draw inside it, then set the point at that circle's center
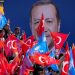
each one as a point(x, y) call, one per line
point(45, 27)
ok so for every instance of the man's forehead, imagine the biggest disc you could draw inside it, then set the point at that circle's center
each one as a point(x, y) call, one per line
point(43, 9)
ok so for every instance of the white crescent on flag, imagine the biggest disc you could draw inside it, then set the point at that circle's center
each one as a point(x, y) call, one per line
point(29, 40)
point(9, 42)
point(12, 44)
point(60, 39)
point(40, 58)
point(64, 64)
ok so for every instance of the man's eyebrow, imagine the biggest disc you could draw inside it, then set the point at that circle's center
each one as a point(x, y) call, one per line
point(49, 19)
point(35, 19)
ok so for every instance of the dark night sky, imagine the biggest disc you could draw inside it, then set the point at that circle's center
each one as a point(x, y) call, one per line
point(18, 12)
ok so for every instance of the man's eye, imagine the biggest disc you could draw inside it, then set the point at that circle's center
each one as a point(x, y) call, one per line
point(37, 22)
point(49, 21)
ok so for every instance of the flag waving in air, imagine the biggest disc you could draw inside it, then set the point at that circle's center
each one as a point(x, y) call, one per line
point(59, 39)
point(1, 44)
point(28, 43)
point(11, 45)
point(67, 46)
point(15, 63)
point(43, 59)
point(4, 66)
point(66, 62)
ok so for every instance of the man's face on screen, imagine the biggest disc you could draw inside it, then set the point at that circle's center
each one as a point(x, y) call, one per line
point(51, 23)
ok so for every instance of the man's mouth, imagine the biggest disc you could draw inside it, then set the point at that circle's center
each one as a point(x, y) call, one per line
point(47, 35)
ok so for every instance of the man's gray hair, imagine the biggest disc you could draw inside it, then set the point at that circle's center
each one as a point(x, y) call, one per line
point(44, 2)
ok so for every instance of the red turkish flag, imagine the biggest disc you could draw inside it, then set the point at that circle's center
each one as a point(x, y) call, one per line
point(73, 52)
point(11, 45)
point(27, 71)
point(66, 63)
point(1, 44)
point(67, 46)
point(15, 63)
point(43, 59)
point(4, 66)
point(29, 43)
point(59, 39)
point(29, 40)
point(40, 28)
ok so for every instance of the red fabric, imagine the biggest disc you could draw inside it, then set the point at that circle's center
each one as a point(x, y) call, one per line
point(27, 71)
point(43, 59)
point(29, 40)
point(24, 37)
point(40, 28)
point(1, 44)
point(15, 63)
point(66, 63)
point(29, 43)
point(11, 45)
point(9, 68)
point(24, 48)
point(4, 66)
point(59, 39)
point(67, 47)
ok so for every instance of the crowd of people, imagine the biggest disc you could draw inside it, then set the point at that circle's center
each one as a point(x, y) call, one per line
point(52, 23)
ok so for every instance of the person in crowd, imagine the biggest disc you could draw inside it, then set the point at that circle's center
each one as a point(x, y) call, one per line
point(7, 29)
point(17, 32)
